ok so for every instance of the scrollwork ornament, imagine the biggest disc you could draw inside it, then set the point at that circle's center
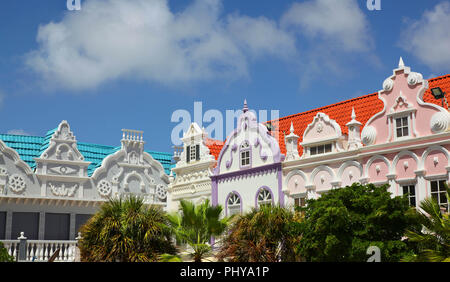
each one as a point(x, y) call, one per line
point(388, 84)
point(414, 78)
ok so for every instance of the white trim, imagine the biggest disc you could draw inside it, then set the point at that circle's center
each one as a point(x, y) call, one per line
point(428, 151)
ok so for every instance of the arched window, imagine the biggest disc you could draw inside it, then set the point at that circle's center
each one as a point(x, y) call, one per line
point(245, 154)
point(264, 197)
point(234, 204)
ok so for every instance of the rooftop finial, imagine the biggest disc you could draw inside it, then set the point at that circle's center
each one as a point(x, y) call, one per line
point(245, 109)
point(401, 64)
point(353, 113)
point(292, 127)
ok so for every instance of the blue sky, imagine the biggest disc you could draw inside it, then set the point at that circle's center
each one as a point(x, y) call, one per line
point(131, 64)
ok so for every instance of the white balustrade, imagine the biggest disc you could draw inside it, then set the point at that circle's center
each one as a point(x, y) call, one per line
point(42, 250)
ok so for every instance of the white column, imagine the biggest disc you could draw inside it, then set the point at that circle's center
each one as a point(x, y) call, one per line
point(41, 233)
point(421, 186)
point(392, 184)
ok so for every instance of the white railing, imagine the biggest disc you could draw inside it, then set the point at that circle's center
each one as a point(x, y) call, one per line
point(42, 250)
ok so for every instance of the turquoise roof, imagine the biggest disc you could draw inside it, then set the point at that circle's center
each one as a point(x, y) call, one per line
point(30, 147)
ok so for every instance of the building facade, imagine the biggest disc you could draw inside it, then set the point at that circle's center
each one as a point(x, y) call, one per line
point(397, 136)
point(51, 188)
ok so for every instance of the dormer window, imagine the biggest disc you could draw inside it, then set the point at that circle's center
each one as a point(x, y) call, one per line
point(193, 153)
point(245, 154)
point(401, 127)
point(320, 149)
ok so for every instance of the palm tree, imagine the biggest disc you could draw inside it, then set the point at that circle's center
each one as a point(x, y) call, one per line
point(126, 230)
point(433, 240)
point(196, 225)
point(262, 235)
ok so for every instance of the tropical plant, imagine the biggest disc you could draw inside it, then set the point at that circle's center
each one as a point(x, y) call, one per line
point(433, 239)
point(343, 223)
point(196, 224)
point(262, 235)
point(4, 256)
point(169, 258)
point(125, 230)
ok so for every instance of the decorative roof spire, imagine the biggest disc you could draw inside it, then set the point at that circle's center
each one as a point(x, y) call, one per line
point(353, 121)
point(245, 109)
point(353, 113)
point(401, 64)
point(292, 128)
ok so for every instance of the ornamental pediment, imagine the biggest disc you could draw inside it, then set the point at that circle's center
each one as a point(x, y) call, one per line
point(321, 128)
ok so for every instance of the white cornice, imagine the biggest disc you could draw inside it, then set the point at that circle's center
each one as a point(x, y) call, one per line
point(338, 157)
point(65, 162)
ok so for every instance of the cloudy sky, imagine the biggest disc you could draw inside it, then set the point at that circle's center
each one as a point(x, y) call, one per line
point(131, 64)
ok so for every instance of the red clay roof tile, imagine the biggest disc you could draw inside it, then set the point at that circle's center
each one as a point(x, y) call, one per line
point(365, 107)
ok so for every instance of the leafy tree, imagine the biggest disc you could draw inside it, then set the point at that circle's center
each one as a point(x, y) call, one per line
point(4, 256)
point(343, 223)
point(125, 230)
point(262, 235)
point(196, 224)
point(433, 240)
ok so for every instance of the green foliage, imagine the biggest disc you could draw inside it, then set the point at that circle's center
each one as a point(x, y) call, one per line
point(432, 242)
point(196, 224)
point(125, 230)
point(4, 256)
point(343, 223)
point(268, 234)
point(169, 258)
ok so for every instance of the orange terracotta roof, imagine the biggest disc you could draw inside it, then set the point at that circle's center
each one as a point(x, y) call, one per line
point(214, 147)
point(365, 107)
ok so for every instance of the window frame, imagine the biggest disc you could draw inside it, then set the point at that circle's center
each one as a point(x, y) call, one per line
point(235, 206)
point(267, 201)
point(402, 126)
point(322, 147)
point(248, 155)
point(439, 192)
point(409, 195)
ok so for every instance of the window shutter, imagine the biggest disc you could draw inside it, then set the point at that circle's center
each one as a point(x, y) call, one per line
point(188, 153)
point(197, 152)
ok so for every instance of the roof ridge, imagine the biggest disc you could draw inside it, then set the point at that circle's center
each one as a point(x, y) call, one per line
point(439, 77)
point(328, 106)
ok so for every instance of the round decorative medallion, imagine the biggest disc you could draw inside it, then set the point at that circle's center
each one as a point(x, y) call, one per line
point(17, 184)
point(104, 188)
point(161, 192)
point(319, 127)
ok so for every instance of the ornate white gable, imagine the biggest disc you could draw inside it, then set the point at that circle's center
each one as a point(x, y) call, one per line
point(251, 136)
point(61, 167)
point(131, 170)
point(402, 96)
point(193, 168)
point(16, 176)
point(322, 130)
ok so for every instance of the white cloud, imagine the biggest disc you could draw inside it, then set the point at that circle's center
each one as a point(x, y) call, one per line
point(340, 23)
point(17, 132)
point(111, 39)
point(428, 38)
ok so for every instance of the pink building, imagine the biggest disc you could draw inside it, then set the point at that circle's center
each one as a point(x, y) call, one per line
point(399, 136)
